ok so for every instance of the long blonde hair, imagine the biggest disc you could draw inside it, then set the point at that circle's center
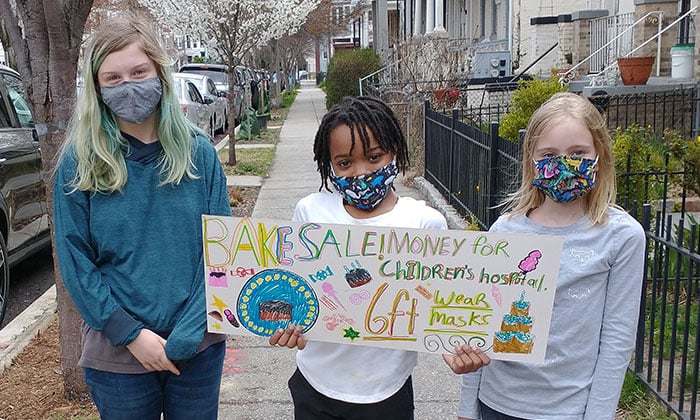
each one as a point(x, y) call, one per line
point(559, 107)
point(93, 136)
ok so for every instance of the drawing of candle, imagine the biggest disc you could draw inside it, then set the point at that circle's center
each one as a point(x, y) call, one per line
point(330, 291)
point(530, 262)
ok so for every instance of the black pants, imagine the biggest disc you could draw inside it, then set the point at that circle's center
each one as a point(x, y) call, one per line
point(488, 413)
point(312, 405)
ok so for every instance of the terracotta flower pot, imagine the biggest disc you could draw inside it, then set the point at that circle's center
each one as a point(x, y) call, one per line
point(635, 70)
point(447, 96)
point(440, 94)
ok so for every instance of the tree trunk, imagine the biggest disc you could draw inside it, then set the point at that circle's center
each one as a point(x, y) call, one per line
point(46, 51)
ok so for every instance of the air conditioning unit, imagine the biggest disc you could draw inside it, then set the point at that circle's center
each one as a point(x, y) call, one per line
point(488, 64)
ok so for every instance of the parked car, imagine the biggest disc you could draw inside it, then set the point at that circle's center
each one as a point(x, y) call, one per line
point(216, 98)
point(24, 220)
point(193, 104)
point(219, 74)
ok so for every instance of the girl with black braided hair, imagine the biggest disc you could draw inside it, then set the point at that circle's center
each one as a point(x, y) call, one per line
point(360, 149)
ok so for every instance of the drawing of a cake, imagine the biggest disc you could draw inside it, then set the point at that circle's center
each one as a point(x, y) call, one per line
point(357, 277)
point(515, 336)
point(275, 310)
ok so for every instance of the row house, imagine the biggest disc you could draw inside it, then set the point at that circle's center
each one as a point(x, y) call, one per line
point(477, 40)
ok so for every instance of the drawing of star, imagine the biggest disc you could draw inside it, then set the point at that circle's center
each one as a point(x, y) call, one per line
point(219, 303)
point(351, 333)
point(216, 326)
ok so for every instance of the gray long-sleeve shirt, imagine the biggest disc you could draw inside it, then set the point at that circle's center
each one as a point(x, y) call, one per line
point(592, 332)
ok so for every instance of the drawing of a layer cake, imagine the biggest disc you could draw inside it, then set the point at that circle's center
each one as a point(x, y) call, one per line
point(514, 336)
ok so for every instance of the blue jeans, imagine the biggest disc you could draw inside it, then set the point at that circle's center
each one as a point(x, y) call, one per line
point(194, 394)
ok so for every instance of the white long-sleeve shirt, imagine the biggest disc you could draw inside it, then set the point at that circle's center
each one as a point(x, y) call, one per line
point(592, 332)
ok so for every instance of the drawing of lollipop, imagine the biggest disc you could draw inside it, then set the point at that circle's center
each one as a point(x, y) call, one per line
point(530, 262)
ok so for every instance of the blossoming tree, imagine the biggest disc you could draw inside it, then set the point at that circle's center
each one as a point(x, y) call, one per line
point(233, 27)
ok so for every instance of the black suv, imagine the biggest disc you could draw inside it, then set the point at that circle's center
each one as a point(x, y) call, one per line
point(24, 220)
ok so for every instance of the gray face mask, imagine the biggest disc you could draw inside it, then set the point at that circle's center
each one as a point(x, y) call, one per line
point(133, 101)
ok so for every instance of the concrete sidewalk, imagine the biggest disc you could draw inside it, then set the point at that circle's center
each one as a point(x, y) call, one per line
point(254, 383)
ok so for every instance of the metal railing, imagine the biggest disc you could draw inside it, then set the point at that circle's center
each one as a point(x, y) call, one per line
point(604, 30)
point(657, 15)
point(385, 76)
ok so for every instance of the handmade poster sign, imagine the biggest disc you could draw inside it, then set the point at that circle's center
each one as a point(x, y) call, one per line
point(415, 289)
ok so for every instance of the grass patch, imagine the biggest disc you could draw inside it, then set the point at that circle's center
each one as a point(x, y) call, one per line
point(636, 404)
point(257, 161)
point(288, 97)
point(271, 135)
point(249, 161)
point(278, 115)
point(671, 318)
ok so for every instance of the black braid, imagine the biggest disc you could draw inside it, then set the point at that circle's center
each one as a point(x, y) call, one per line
point(360, 113)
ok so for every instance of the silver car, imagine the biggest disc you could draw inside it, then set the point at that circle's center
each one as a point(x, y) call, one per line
point(219, 74)
point(215, 98)
point(193, 104)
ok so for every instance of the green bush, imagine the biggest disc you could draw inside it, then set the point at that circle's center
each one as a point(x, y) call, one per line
point(344, 71)
point(646, 151)
point(529, 96)
point(688, 151)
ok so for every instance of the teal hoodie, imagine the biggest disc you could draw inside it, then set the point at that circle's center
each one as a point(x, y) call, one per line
point(133, 259)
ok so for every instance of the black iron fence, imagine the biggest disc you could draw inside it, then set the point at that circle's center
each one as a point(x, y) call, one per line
point(474, 170)
point(674, 109)
point(667, 352)
point(667, 355)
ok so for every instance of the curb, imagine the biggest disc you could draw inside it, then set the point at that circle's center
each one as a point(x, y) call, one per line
point(224, 142)
point(36, 318)
point(436, 200)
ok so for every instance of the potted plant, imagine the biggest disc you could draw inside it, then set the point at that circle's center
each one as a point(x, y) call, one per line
point(564, 68)
point(635, 70)
point(446, 96)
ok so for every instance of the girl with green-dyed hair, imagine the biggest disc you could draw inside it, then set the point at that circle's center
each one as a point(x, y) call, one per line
point(132, 183)
point(94, 132)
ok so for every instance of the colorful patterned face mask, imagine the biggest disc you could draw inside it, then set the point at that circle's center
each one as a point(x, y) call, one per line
point(366, 191)
point(564, 178)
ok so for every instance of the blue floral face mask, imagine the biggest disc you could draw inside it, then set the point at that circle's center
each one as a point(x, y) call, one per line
point(564, 178)
point(366, 191)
